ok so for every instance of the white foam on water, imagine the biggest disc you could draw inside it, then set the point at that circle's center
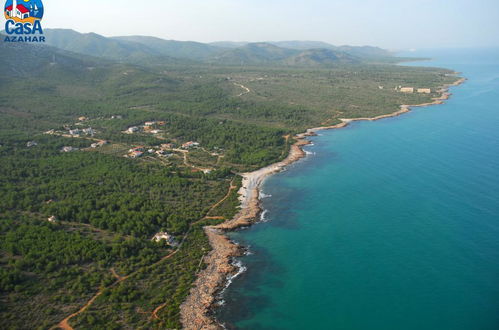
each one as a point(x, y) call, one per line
point(264, 195)
point(263, 217)
point(240, 269)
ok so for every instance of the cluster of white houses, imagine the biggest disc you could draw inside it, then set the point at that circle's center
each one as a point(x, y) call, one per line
point(78, 132)
point(412, 90)
point(73, 132)
point(148, 127)
point(139, 151)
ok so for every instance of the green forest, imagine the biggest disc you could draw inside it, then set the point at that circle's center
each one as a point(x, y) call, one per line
point(80, 221)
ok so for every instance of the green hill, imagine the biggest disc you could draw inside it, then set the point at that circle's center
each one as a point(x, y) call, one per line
point(29, 60)
point(303, 45)
point(320, 57)
point(96, 45)
point(270, 54)
point(229, 44)
point(154, 51)
point(253, 54)
point(179, 49)
point(366, 52)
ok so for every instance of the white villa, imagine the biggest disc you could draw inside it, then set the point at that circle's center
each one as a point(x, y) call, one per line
point(163, 235)
point(89, 131)
point(68, 149)
point(74, 132)
point(190, 144)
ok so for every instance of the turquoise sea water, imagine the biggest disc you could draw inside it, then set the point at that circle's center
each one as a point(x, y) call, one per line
point(391, 224)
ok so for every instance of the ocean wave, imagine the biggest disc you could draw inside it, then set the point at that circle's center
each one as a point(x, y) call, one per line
point(309, 152)
point(263, 195)
point(240, 270)
point(263, 217)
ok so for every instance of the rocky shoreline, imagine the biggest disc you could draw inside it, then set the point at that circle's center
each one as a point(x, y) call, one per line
point(196, 311)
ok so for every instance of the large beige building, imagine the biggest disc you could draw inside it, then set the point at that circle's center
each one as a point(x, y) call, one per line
point(407, 89)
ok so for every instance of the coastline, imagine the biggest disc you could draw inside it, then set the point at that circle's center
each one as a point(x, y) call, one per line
point(196, 311)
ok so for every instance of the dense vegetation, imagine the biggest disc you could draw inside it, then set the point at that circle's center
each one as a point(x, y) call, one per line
point(106, 207)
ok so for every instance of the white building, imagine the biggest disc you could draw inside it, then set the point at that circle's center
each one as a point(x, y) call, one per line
point(68, 149)
point(89, 131)
point(190, 144)
point(74, 132)
point(164, 236)
point(407, 89)
point(136, 154)
point(133, 129)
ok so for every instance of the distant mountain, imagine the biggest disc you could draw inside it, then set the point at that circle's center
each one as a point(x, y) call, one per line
point(320, 57)
point(303, 45)
point(253, 54)
point(179, 49)
point(366, 52)
point(96, 45)
point(229, 44)
point(146, 50)
point(28, 60)
point(359, 51)
point(270, 54)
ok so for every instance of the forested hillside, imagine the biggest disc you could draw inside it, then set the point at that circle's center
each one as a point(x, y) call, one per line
point(151, 50)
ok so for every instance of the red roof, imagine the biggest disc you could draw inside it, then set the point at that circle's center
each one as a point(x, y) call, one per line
point(21, 8)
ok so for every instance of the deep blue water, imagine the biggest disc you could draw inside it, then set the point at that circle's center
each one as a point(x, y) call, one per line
point(392, 224)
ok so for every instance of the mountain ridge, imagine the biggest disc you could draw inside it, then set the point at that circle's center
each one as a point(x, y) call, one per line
point(148, 50)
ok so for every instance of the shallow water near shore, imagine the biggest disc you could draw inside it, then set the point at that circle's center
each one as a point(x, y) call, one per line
point(392, 224)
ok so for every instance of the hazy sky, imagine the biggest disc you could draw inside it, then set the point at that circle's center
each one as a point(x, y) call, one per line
point(391, 24)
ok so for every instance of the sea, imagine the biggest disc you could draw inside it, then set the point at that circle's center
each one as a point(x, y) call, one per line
point(386, 225)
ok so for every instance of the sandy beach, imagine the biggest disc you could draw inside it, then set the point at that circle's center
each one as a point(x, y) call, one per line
point(196, 311)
